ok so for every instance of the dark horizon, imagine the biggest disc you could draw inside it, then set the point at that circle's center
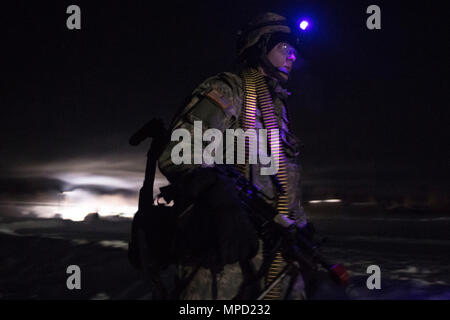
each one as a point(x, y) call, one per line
point(369, 105)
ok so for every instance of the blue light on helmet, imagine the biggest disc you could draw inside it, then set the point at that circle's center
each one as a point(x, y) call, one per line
point(303, 25)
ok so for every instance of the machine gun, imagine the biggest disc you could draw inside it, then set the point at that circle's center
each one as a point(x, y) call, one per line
point(295, 242)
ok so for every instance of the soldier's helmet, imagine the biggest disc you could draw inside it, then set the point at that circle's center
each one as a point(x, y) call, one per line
point(258, 32)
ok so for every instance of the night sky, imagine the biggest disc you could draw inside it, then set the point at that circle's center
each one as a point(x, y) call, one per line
point(370, 106)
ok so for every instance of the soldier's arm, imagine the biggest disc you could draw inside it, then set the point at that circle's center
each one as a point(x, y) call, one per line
point(213, 106)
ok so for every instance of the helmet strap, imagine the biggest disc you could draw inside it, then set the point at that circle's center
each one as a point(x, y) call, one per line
point(270, 69)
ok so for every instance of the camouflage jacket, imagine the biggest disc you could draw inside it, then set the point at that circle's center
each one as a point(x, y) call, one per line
point(226, 89)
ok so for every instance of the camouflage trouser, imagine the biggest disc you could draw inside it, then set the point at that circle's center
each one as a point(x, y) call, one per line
point(229, 281)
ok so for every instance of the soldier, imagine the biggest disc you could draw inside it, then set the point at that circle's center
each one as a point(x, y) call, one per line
point(220, 232)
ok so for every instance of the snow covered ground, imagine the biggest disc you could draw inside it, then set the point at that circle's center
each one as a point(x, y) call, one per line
point(411, 249)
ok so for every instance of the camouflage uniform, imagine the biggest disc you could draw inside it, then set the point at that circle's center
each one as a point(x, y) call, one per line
point(224, 114)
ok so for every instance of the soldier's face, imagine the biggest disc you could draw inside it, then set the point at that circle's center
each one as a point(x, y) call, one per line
point(283, 56)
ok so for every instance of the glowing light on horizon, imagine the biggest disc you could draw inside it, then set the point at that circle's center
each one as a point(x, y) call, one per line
point(333, 200)
point(99, 180)
point(75, 205)
point(87, 185)
point(325, 201)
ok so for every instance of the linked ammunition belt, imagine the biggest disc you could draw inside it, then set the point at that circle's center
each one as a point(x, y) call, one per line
point(256, 92)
